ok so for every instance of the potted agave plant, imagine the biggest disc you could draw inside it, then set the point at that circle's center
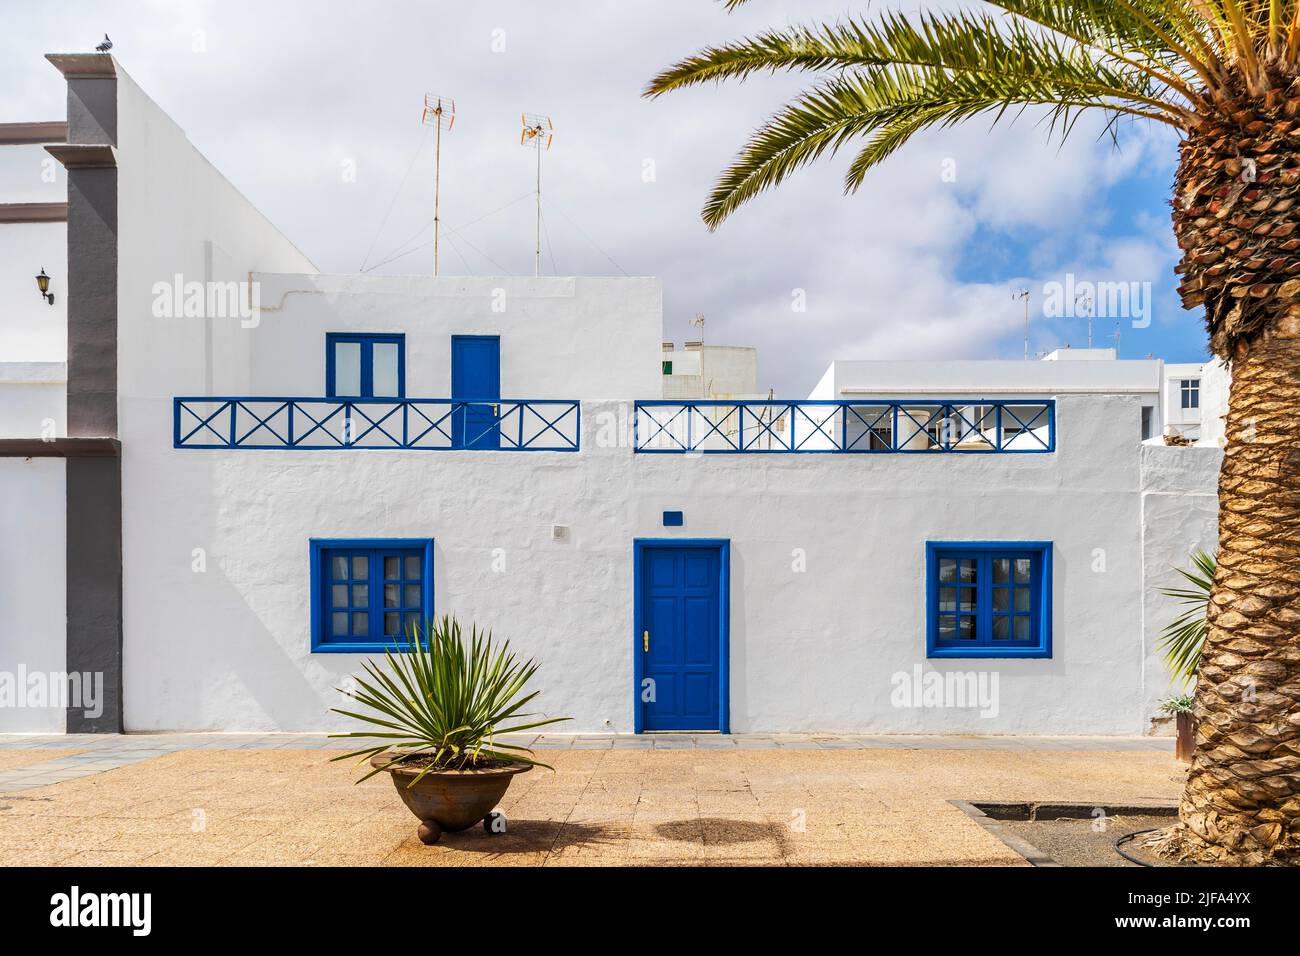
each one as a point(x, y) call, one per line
point(439, 703)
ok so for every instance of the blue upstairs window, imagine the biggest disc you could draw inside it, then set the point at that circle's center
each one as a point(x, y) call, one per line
point(367, 594)
point(365, 366)
point(988, 599)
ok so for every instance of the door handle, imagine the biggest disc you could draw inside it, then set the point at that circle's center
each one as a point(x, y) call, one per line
point(645, 641)
point(494, 409)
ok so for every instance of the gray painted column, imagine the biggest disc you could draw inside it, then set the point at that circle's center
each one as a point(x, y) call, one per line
point(94, 568)
point(92, 254)
point(92, 302)
point(94, 484)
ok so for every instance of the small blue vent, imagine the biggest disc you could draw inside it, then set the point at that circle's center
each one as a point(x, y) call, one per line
point(672, 519)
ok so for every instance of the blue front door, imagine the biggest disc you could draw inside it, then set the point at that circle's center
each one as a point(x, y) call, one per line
point(475, 391)
point(680, 637)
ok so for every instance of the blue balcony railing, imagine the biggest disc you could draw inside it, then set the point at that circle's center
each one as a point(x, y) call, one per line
point(424, 424)
point(855, 427)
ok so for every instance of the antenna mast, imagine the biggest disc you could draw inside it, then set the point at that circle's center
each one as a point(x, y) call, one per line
point(440, 113)
point(698, 322)
point(538, 132)
point(1088, 310)
point(1024, 294)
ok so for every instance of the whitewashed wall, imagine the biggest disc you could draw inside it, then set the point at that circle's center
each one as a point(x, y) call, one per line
point(561, 337)
point(1216, 381)
point(228, 647)
point(33, 399)
point(1180, 515)
point(33, 613)
point(31, 330)
point(177, 215)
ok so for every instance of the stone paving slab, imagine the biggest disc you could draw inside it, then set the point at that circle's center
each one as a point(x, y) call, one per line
point(610, 806)
point(15, 758)
point(158, 744)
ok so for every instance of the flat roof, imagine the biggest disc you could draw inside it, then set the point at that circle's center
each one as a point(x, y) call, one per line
point(991, 376)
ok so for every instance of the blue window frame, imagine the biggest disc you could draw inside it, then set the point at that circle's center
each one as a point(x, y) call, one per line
point(371, 365)
point(988, 598)
point(367, 593)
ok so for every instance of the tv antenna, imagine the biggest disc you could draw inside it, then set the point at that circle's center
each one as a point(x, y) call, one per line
point(1085, 298)
point(538, 131)
point(1024, 294)
point(440, 113)
point(705, 384)
point(698, 322)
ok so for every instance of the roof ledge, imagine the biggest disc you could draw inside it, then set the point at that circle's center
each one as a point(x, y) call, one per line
point(84, 155)
point(33, 134)
point(11, 212)
point(83, 64)
point(60, 448)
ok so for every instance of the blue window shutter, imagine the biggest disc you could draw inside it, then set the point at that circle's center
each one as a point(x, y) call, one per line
point(990, 599)
point(366, 342)
point(367, 593)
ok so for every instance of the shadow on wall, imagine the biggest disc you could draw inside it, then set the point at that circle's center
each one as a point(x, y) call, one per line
point(249, 661)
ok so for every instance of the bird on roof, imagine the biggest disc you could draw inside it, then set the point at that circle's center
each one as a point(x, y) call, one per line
point(105, 46)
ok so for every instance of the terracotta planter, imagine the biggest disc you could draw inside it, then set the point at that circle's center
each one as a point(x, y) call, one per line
point(450, 799)
point(1185, 744)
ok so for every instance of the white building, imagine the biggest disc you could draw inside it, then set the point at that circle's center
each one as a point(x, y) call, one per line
point(697, 370)
point(256, 485)
point(1195, 399)
point(1171, 397)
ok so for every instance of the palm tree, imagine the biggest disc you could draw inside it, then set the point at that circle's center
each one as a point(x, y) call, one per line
point(1226, 75)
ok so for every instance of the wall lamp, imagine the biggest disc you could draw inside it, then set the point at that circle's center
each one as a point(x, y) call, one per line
point(43, 283)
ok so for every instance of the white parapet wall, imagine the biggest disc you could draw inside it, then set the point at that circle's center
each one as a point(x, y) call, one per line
point(561, 337)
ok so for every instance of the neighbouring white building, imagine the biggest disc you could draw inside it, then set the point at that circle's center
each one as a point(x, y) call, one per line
point(1195, 399)
point(261, 474)
point(697, 370)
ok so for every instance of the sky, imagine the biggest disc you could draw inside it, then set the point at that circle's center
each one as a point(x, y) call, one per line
point(312, 109)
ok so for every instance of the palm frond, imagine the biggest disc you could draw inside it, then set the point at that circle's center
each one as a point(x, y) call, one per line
point(442, 698)
point(1183, 638)
point(892, 78)
point(890, 104)
point(956, 42)
point(1177, 62)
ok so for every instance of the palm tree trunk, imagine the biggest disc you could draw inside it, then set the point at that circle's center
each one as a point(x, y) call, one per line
point(1242, 800)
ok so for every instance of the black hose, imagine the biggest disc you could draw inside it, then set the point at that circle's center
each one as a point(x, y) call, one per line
point(1128, 837)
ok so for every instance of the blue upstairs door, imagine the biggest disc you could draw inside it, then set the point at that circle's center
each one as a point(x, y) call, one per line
point(475, 382)
point(680, 638)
